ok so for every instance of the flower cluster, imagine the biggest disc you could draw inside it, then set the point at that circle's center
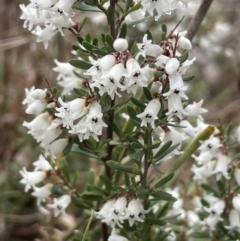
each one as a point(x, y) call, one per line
point(42, 170)
point(116, 210)
point(47, 17)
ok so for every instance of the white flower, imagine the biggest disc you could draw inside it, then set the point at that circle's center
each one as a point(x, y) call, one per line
point(60, 204)
point(135, 211)
point(42, 164)
point(210, 222)
point(236, 202)
point(216, 208)
point(192, 218)
point(116, 237)
point(147, 48)
point(104, 211)
point(203, 158)
point(120, 44)
point(221, 169)
point(234, 221)
point(150, 113)
point(210, 145)
point(172, 66)
point(187, 128)
point(55, 148)
point(41, 193)
point(194, 109)
point(183, 42)
point(237, 175)
point(31, 178)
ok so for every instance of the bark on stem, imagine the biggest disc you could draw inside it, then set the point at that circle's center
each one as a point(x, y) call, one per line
point(198, 18)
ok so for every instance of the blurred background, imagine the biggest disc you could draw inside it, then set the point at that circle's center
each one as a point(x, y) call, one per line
point(25, 63)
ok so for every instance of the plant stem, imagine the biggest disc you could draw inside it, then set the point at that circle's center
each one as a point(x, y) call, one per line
point(112, 25)
point(198, 18)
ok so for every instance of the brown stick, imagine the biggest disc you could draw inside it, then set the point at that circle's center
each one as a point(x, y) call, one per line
point(198, 18)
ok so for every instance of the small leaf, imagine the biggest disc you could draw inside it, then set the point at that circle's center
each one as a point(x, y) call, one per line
point(110, 15)
point(107, 182)
point(131, 139)
point(123, 31)
point(147, 93)
point(119, 166)
point(161, 195)
point(197, 234)
point(116, 129)
point(80, 64)
point(136, 145)
point(134, 49)
point(120, 104)
point(82, 24)
point(157, 169)
point(164, 180)
point(92, 196)
point(126, 179)
point(183, 57)
point(134, 8)
point(75, 177)
point(81, 92)
point(164, 28)
point(85, 7)
point(110, 40)
point(163, 149)
point(156, 221)
point(188, 78)
point(138, 155)
point(79, 202)
point(88, 37)
point(141, 193)
point(149, 35)
point(155, 146)
point(210, 189)
point(84, 151)
point(133, 115)
point(137, 102)
point(159, 74)
point(65, 170)
point(93, 49)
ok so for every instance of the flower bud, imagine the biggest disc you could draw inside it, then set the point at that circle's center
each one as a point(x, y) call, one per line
point(120, 44)
point(172, 66)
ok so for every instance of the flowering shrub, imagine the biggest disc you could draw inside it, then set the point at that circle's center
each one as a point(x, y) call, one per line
point(125, 105)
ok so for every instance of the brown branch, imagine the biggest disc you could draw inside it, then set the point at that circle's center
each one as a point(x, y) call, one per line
point(198, 18)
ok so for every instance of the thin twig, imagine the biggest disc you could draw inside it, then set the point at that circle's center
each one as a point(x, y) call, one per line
point(171, 33)
point(198, 18)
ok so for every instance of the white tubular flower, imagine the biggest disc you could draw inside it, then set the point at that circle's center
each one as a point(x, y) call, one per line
point(44, 35)
point(216, 208)
point(192, 218)
point(221, 169)
point(31, 178)
point(36, 100)
point(187, 128)
point(150, 113)
point(147, 48)
point(96, 70)
point(203, 158)
point(63, 69)
point(183, 42)
point(210, 145)
point(71, 111)
point(202, 173)
point(116, 237)
point(42, 164)
point(107, 62)
point(234, 221)
point(210, 222)
point(135, 211)
point(236, 202)
point(106, 208)
point(120, 44)
point(41, 193)
point(237, 175)
point(55, 148)
point(110, 82)
point(60, 204)
point(172, 66)
point(194, 109)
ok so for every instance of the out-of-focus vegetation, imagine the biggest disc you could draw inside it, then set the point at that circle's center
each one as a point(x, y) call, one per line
point(25, 63)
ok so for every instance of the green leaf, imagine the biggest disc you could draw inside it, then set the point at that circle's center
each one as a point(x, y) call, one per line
point(126, 179)
point(120, 104)
point(131, 139)
point(136, 145)
point(157, 169)
point(188, 78)
point(156, 221)
point(149, 35)
point(80, 203)
point(164, 148)
point(163, 36)
point(134, 49)
point(65, 170)
point(91, 176)
point(92, 196)
point(183, 57)
point(158, 74)
point(84, 151)
point(123, 31)
point(137, 102)
point(88, 37)
point(116, 129)
point(197, 234)
point(95, 42)
point(138, 155)
point(107, 182)
point(210, 189)
point(155, 146)
point(133, 115)
point(134, 8)
point(119, 166)
point(82, 24)
point(75, 177)
point(81, 92)
point(141, 193)
point(106, 102)
point(85, 7)
point(90, 2)
point(161, 195)
point(164, 180)
point(94, 49)
point(80, 64)
point(164, 28)
point(68, 148)
point(137, 22)
point(109, 40)
point(147, 93)
point(110, 15)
